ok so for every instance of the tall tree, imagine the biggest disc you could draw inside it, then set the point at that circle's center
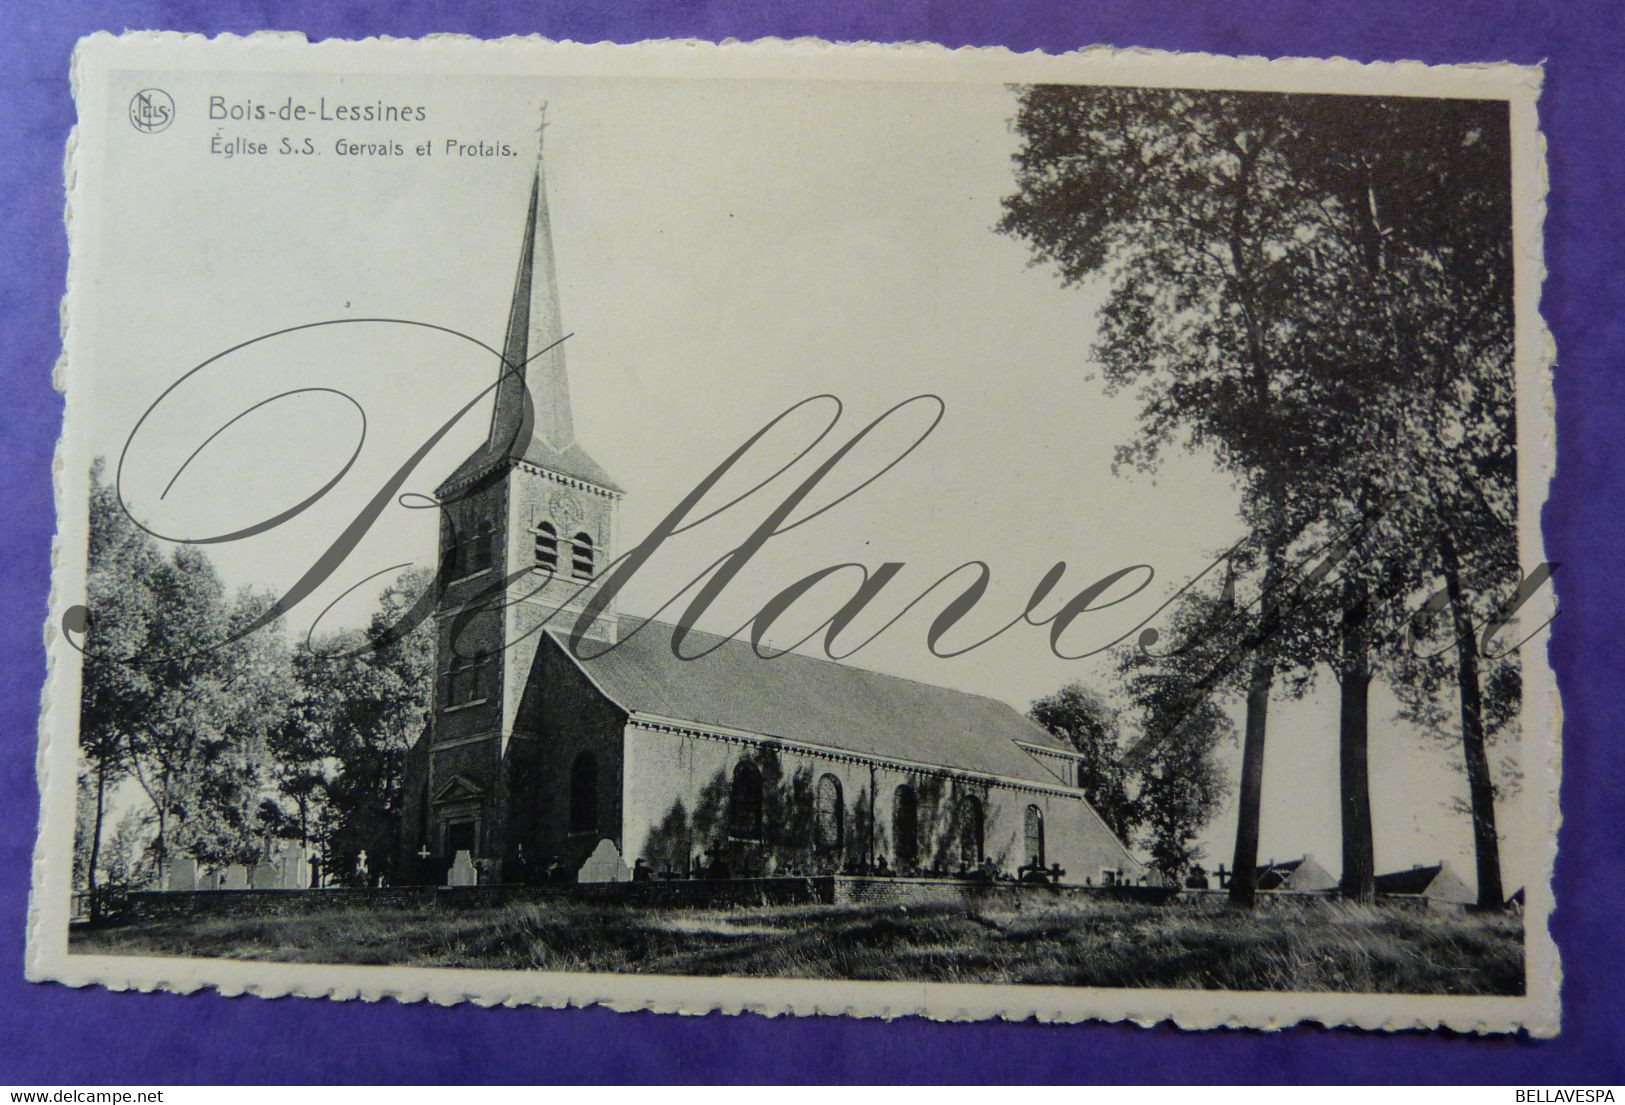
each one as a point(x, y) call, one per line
point(1178, 696)
point(301, 767)
point(1183, 201)
point(1181, 782)
point(1357, 314)
point(1416, 273)
point(200, 743)
point(1084, 720)
point(117, 691)
point(246, 693)
point(340, 750)
point(125, 861)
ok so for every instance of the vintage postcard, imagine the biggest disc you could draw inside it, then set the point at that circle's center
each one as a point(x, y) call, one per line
point(805, 529)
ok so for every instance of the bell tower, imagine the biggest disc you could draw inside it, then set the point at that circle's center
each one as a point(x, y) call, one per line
point(527, 527)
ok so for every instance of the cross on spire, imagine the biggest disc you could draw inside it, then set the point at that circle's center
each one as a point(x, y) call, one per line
point(530, 417)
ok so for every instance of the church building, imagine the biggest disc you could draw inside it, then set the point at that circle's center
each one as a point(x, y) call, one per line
point(533, 756)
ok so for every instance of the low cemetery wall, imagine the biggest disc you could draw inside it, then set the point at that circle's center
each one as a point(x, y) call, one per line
point(694, 894)
point(685, 893)
point(159, 905)
point(864, 890)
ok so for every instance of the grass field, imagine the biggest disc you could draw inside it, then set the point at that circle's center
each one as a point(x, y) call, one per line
point(1316, 945)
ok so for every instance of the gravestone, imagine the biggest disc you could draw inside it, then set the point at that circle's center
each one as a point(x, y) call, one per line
point(604, 865)
point(292, 873)
point(462, 871)
point(236, 878)
point(182, 874)
point(265, 876)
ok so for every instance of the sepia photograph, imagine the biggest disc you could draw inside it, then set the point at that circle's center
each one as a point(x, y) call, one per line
point(585, 524)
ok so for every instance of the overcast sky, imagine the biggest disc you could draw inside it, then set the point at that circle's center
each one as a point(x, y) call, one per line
point(726, 249)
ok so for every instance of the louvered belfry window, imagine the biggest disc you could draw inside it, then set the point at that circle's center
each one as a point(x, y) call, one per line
point(581, 559)
point(547, 547)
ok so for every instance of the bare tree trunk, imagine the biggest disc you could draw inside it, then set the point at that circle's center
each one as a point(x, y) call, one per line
point(96, 842)
point(1249, 803)
point(159, 807)
point(1244, 861)
point(1244, 864)
point(1480, 787)
point(161, 846)
point(1354, 779)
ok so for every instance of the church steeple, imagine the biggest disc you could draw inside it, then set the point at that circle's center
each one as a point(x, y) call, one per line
point(527, 527)
point(540, 432)
point(533, 326)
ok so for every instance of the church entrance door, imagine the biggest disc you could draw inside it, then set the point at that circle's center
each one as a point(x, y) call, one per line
point(460, 837)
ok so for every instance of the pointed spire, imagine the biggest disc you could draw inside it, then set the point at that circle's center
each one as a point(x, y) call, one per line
point(531, 419)
point(534, 326)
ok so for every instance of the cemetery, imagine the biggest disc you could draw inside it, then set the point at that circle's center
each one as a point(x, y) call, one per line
point(293, 884)
point(841, 927)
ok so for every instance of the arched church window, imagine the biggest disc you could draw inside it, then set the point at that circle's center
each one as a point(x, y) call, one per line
point(547, 547)
point(581, 560)
point(970, 831)
point(905, 826)
point(745, 803)
point(1035, 836)
point(829, 814)
point(584, 793)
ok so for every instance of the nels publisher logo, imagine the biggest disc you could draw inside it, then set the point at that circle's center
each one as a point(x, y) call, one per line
point(151, 110)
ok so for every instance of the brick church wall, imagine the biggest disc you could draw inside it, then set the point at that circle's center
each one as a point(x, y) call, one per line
point(414, 826)
point(568, 716)
point(676, 794)
point(541, 602)
point(511, 745)
point(1074, 837)
point(465, 632)
point(677, 786)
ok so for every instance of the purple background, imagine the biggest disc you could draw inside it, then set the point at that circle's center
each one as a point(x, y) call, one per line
point(53, 1035)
